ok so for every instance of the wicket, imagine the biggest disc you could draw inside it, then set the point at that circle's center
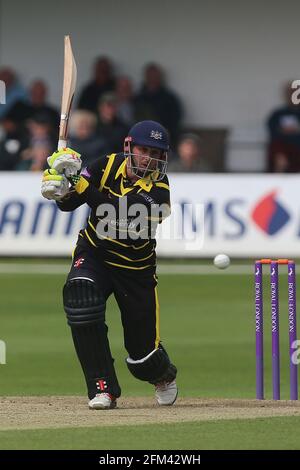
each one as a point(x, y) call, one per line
point(274, 283)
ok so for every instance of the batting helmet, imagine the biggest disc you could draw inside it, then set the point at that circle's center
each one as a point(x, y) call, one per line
point(148, 134)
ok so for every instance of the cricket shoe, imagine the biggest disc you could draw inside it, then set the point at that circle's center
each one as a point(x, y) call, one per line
point(166, 393)
point(103, 401)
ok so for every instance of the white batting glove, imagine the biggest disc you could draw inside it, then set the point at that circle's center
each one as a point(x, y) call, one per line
point(54, 186)
point(65, 161)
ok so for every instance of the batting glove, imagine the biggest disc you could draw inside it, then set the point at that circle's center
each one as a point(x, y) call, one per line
point(65, 161)
point(54, 186)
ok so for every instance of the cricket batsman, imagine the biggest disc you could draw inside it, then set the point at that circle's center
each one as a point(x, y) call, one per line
point(128, 194)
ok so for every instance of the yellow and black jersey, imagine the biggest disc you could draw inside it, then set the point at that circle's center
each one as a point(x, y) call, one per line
point(125, 239)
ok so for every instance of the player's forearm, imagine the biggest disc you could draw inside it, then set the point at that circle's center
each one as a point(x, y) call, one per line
point(70, 202)
point(93, 197)
point(89, 193)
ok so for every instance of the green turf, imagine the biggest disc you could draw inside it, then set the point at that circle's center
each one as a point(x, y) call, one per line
point(161, 260)
point(207, 325)
point(231, 434)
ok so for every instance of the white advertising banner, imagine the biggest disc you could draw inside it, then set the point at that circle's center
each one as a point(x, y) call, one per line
point(32, 225)
point(240, 215)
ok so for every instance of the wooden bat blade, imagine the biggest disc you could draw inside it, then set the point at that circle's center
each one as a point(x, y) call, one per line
point(69, 85)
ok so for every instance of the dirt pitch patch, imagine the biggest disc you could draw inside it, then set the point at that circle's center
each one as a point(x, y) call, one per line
point(67, 411)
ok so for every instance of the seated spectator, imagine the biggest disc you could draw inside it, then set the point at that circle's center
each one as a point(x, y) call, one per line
point(41, 144)
point(110, 127)
point(83, 136)
point(38, 95)
point(189, 156)
point(125, 101)
point(37, 104)
point(155, 101)
point(13, 142)
point(102, 82)
point(284, 131)
point(13, 88)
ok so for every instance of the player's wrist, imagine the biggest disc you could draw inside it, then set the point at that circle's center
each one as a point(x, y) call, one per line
point(79, 183)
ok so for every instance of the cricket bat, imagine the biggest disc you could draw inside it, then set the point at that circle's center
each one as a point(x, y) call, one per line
point(69, 84)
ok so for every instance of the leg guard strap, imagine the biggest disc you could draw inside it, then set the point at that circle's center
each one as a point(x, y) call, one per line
point(154, 368)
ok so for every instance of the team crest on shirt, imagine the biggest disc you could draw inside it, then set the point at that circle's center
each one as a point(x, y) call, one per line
point(78, 262)
point(156, 135)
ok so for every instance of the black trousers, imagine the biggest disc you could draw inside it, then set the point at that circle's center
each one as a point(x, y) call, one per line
point(136, 295)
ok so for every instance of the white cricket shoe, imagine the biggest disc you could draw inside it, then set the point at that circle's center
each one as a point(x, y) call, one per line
point(103, 401)
point(166, 393)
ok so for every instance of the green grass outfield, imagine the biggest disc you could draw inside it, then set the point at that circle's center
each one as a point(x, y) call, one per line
point(274, 433)
point(207, 325)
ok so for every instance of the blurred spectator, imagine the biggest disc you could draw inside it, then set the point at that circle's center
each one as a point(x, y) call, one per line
point(41, 144)
point(38, 104)
point(284, 131)
point(13, 142)
point(102, 82)
point(189, 156)
point(83, 136)
point(110, 127)
point(155, 101)
point(14, 90)
point(125, 100)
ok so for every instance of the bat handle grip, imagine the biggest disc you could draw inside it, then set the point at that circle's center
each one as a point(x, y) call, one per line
point(61, 144)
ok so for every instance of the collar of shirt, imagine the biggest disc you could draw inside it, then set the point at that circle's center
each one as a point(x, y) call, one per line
point(145, 183)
